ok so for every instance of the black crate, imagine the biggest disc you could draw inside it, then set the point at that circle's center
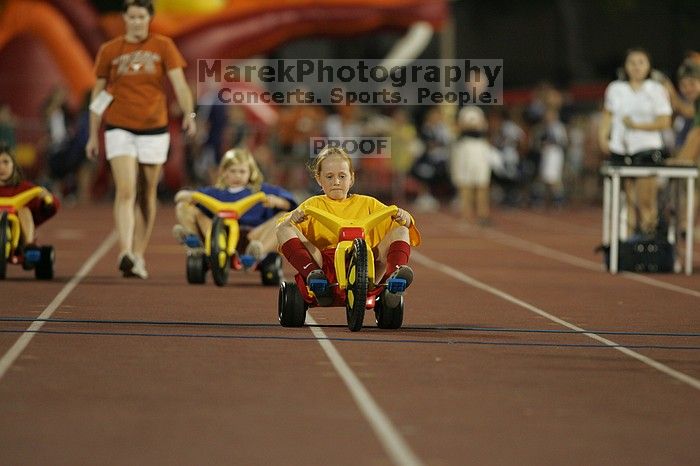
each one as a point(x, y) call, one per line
point(653, 256)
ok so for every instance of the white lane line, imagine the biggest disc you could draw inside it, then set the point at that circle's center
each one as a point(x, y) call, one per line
point(13, 353)
point(390, 438)
point(447, 270)
point(538, 249)
point(543, 251)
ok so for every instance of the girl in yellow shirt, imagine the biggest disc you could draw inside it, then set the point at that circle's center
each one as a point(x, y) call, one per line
point(309, 246)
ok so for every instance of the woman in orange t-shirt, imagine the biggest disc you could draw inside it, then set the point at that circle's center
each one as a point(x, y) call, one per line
point(129, 95)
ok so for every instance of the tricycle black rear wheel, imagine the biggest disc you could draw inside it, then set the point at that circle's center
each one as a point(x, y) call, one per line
point(271, 270)
point(44, 268)
point(196, 268)
point(5, 244)
point(291, 307)
point(388, 317)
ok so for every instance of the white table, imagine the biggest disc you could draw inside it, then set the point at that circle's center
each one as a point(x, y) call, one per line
point(611, 204)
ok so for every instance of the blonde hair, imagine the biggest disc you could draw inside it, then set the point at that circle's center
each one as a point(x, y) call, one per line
point(326, 152)
point(240, 157)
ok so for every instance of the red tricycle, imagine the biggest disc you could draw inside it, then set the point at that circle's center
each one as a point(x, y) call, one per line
point(11, 252)
point(353, 285)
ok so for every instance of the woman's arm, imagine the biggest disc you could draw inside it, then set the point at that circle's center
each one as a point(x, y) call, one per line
point(661, 122)
point(691, 148)
point(604, 132)
point(184, 99)
point(93, 146)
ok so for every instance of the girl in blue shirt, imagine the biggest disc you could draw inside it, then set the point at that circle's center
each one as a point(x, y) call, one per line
point(239, 177)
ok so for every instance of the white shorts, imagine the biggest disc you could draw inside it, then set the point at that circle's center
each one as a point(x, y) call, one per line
point(150, 149)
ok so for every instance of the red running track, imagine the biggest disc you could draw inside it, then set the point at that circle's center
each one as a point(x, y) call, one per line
point(492, 366)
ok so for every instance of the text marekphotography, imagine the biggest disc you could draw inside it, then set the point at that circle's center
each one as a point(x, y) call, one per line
point(363, 82)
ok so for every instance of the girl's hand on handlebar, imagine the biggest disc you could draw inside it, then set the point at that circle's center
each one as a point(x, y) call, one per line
point(183, 196)
point(46, 196)
point(402, 218)
point(297, 216)
point(276, 202)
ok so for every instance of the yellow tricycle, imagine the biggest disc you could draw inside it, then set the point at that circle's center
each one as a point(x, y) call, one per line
point(220, 253)
point(351, 277)
point(11, 252)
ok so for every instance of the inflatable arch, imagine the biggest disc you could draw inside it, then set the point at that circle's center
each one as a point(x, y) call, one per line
point(44, 22)
point(72, 30)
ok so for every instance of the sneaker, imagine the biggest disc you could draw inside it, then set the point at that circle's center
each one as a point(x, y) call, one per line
point(139, 269)
point(400, 279)
point(31, 256)
point(396, 284)
point(126, 263)
point(255, 250)
point(179, 233)
point(190, 240)
point(318, 283)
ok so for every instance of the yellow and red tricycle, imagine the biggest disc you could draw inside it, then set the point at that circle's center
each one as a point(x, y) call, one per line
point(11, 250)
point(353, 285)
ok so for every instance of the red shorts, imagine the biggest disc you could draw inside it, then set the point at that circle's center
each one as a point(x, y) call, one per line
point(328, 265)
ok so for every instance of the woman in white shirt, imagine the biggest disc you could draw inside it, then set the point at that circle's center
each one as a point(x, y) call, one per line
point(637, 109)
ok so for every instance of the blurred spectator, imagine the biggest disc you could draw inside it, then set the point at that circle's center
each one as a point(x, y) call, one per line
point(57, 118)
point(237, 132)
point(206, 149)
point(637, 109)
point(511, 141)
point(68, 165)
point(574, 155)
point(343, 122)
point(405, 147)
point(470, 168)
point(683, 102)
point(7, 127)
point(431, 167)
point(544, 97)
point(296, 125)
point(550, 140)
point(689, 72)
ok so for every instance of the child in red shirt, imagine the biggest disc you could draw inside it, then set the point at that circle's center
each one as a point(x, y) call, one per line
point(37, 211)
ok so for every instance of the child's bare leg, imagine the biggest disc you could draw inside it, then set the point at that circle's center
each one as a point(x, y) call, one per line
point(191, 221)
point(203, 223)
point(185, 213)
point(482, 202)
point(466, 196)
point(265, 233)
point(26, 223)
